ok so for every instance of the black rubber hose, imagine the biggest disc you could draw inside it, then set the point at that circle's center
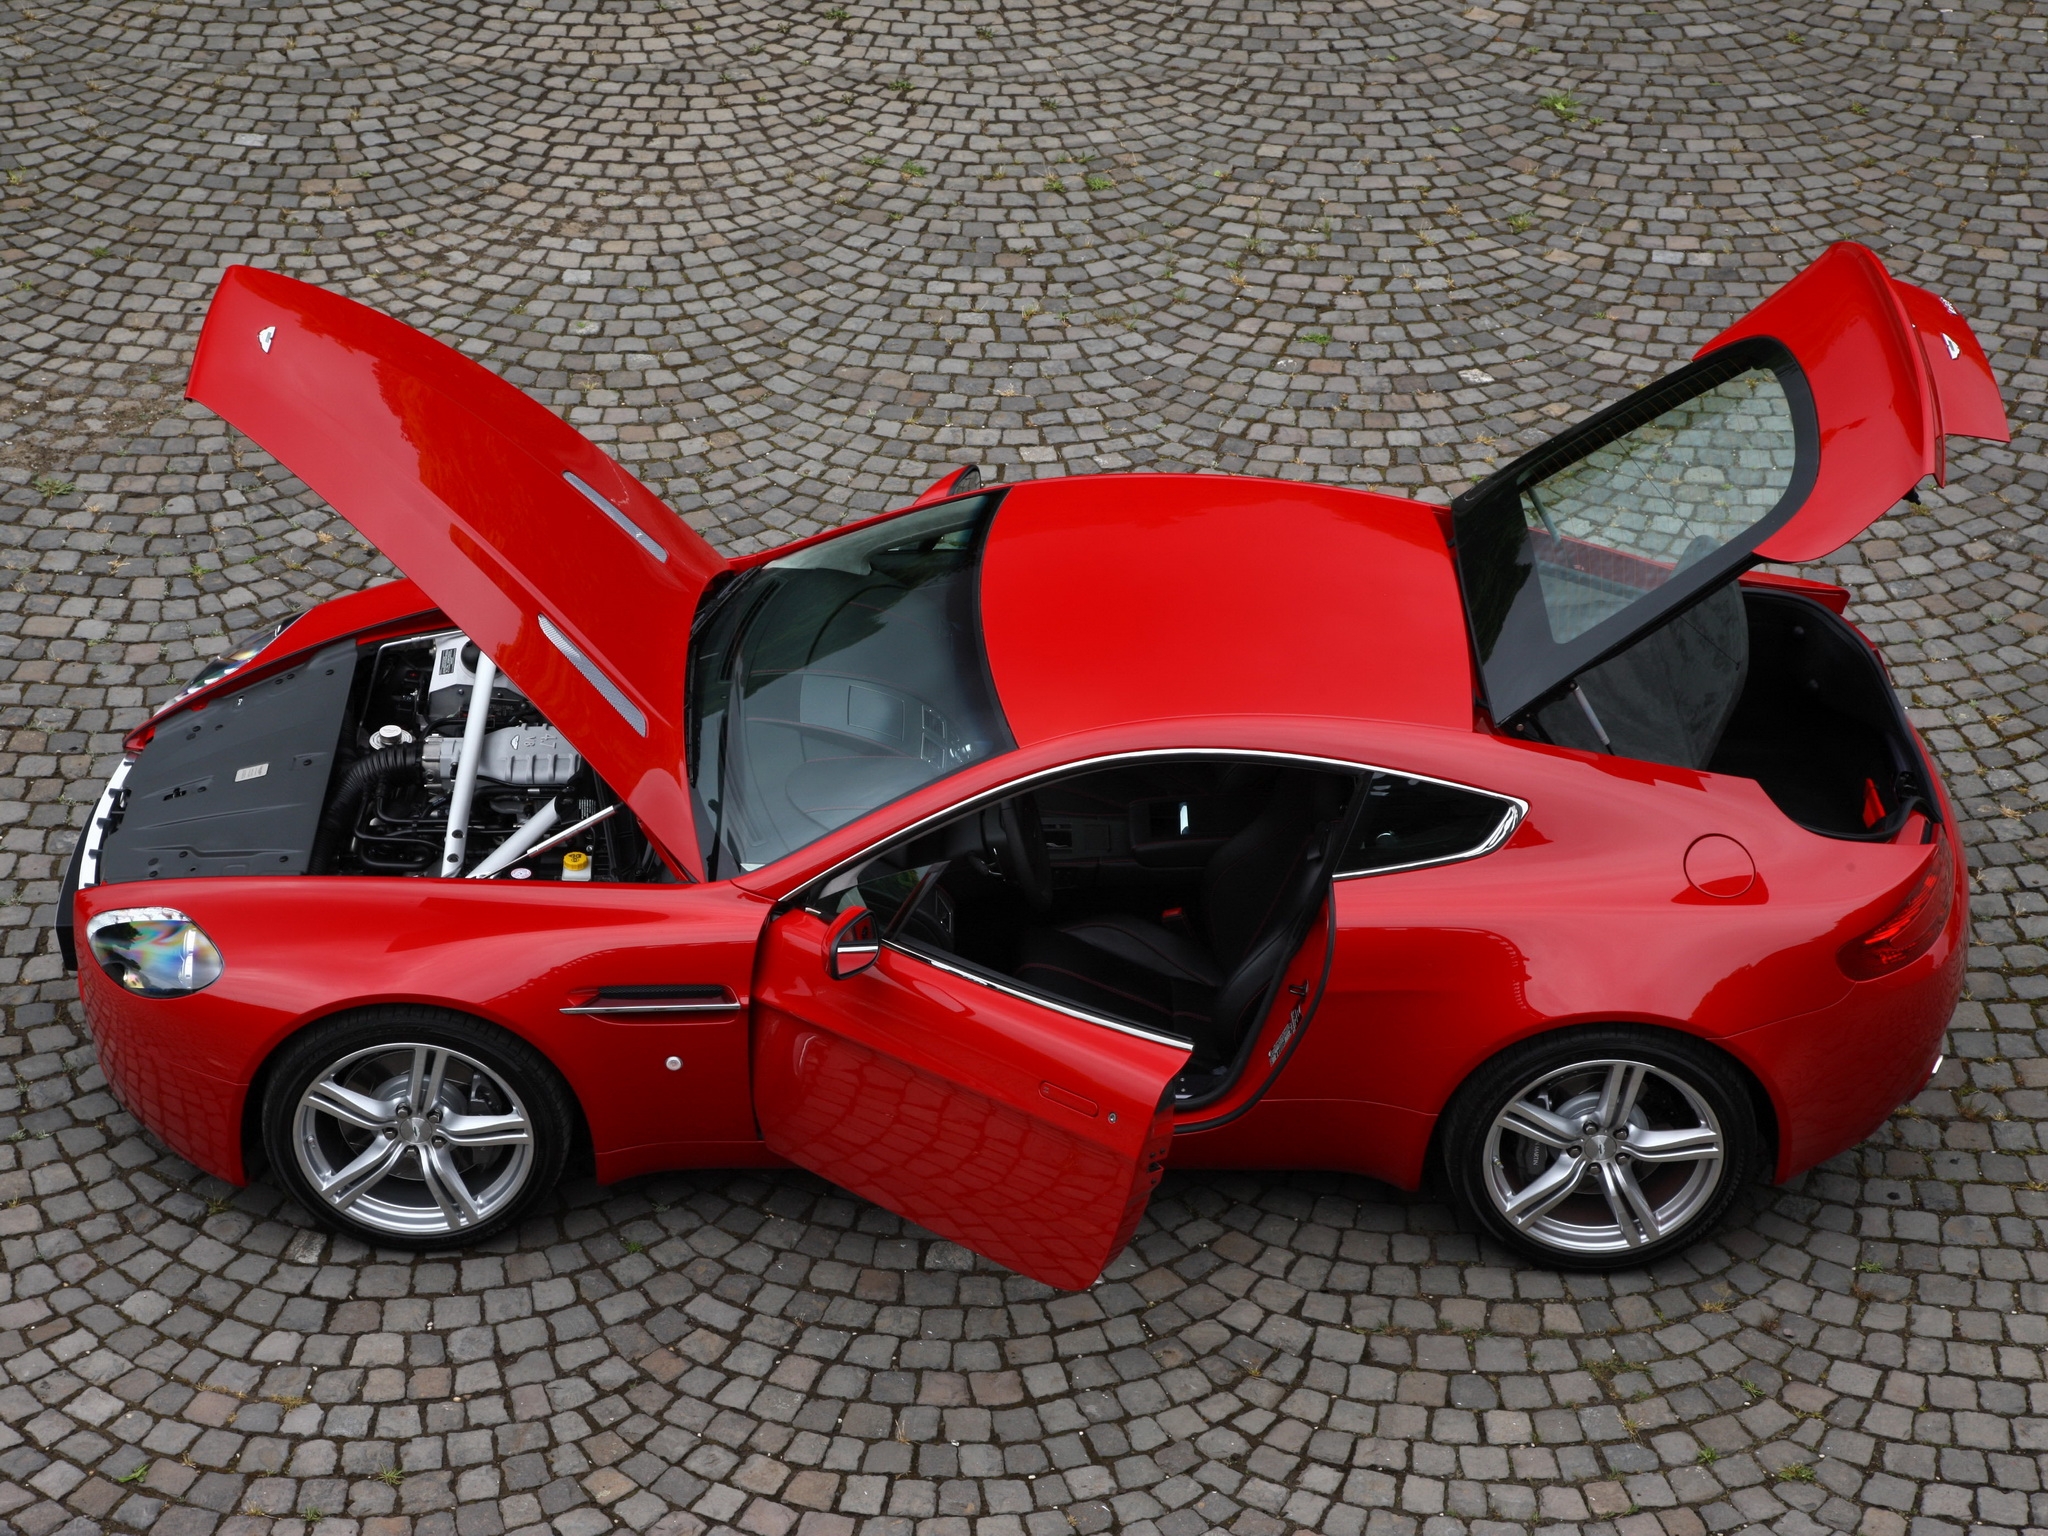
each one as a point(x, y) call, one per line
point(360, 775)
point(356, 781)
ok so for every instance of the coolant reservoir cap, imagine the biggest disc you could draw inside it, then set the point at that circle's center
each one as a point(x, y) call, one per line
point(1719, 866)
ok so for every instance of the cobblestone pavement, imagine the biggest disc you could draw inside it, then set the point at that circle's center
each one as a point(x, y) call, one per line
point(786, 262)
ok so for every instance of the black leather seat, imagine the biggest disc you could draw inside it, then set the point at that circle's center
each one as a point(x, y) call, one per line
point(1258, 892)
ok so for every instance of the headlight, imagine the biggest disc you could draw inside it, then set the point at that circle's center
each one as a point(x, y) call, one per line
point(153, 951)
point(224, 665)
point(232, 660)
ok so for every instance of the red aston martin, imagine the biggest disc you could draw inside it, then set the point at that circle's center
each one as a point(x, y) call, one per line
point(986, 856)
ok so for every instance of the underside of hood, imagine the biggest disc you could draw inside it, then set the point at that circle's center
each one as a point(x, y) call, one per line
point(569, 573)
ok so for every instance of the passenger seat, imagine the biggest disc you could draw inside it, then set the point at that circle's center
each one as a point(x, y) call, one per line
point(1258, 892)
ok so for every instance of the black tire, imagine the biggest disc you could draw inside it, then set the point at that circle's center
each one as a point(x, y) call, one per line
point(1686, 1096)
point(452, 1174)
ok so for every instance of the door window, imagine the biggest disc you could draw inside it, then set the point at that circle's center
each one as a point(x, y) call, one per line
point(902, 890)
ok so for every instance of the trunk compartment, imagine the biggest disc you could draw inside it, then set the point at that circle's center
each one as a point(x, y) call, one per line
point(1819, 727)
point(1761, 684)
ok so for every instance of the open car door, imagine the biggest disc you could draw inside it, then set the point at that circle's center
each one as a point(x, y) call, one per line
point(568, 573)
point(1786, 437)
point(1029, 1134)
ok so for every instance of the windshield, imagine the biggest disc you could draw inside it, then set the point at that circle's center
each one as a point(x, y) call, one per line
point(837, 679)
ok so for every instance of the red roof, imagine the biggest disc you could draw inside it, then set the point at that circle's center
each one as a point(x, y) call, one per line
point(1111, 598)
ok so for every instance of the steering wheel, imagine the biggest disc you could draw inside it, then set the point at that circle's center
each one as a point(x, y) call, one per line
point(1025, 858)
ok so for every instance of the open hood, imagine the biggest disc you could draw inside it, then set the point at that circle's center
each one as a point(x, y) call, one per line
point(563, 567)
point(1786, 436)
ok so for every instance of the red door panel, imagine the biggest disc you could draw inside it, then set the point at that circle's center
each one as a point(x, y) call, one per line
point(1023, 1133)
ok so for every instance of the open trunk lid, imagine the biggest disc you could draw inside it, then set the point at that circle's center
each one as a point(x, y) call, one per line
point(1788, 435)
point(569, 573)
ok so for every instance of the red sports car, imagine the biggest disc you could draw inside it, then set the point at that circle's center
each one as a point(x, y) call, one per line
point(986, 856)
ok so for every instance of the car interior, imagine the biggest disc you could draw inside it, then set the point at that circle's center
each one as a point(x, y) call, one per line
point(1169, 894)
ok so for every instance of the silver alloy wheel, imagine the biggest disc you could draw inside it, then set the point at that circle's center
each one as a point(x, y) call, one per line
point(1603, 1156)
point(415, 1140)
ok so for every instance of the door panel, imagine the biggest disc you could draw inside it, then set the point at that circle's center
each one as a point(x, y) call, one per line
point(1026, 1134)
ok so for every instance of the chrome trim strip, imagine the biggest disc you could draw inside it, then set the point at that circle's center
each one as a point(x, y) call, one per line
point(593, 675)
point(656, 1008)
point(975, 802)
point(422, 637)
point(633, 530)
point(96, 826)
point(1180, 1042)
point(1510, 819)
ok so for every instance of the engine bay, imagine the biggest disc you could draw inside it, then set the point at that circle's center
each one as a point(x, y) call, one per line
point(403, 757)
point(435, 779)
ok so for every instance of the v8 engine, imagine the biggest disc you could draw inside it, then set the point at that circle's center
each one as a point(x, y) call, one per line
point(458, 773)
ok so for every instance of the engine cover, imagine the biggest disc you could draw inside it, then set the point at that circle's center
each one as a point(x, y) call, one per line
point(236, 788)
point(449, 681)
point(518, 754)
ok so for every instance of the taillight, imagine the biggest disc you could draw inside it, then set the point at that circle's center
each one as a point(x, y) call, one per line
point(1905, 936)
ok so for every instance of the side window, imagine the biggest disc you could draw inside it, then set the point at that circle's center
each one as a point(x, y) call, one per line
point(906, 886)
point(1405, 822)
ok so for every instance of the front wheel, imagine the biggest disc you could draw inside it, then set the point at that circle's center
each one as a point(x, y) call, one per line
point(1602, 1148)
point(411, 1128)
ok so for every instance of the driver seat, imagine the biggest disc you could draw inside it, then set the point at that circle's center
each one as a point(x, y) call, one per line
point(1258, 894)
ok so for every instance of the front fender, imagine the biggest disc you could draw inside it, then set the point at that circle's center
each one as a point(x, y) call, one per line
point(298, 950)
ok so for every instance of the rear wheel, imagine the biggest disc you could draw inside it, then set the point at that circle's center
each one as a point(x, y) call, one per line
point(412, 1128)
point(1602, 1148)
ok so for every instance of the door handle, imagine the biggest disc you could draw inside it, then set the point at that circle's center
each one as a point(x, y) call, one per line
point(682, 998)
point(1068, 1099)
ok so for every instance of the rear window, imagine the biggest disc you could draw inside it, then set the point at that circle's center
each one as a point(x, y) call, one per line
point(837, 679)
point(1582, 543)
